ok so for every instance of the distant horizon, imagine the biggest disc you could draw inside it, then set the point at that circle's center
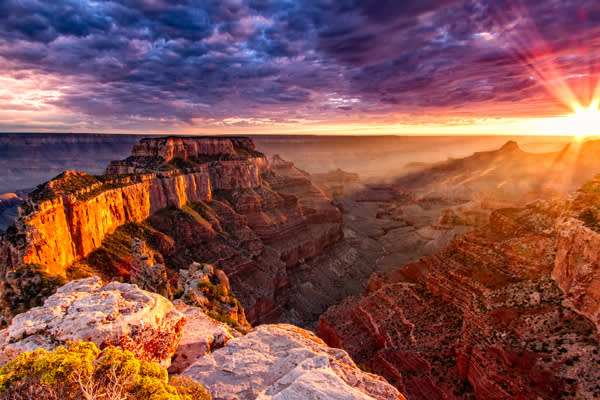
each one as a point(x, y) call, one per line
point(432, 135)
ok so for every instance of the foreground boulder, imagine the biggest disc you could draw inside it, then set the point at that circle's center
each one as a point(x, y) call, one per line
point(201, 335)
point(114, 314)
point(285, 362)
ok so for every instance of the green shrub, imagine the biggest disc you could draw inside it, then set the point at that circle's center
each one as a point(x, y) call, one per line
point(81, 371)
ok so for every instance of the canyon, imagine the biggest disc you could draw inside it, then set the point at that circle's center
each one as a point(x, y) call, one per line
point(508, 310)
point(210, 200)
point(473, 277)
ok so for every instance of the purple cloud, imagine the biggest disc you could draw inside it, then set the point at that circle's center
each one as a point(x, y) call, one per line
point(219, 59)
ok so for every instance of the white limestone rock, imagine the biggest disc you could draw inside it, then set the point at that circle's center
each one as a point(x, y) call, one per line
point(285, 362)
point(114, 314)
point(201, 335)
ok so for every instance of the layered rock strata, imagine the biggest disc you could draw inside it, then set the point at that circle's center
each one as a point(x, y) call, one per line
point(285, 362)
point(212, 200)
point(577, 264)
point(60, 226)
point(480, 318)
point(191, 147)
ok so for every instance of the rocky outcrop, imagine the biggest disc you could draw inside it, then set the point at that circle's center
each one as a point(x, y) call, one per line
point(272, 361)
point(114, 314)
point(204, 286)
point(481, 317)
point(577, 265)
point(213, 200)
point(147, 273)
point(201, 335)
point(191, 147)
point(285, 362)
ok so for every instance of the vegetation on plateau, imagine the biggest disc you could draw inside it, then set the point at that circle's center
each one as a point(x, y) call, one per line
point(26, 287)
point(82, 371)
point(112, 260)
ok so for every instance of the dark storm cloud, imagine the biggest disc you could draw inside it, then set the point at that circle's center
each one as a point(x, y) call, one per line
point(217, 59)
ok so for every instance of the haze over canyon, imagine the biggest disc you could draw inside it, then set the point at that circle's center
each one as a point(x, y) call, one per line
point(467, 277)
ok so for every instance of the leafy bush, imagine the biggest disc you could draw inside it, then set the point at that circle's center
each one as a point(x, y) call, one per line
point(82, 371)
point(222, 305)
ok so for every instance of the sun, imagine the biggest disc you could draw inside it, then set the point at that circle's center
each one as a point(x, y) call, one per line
point(585, 121)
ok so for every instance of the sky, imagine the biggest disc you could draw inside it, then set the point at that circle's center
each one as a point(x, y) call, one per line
point(299, 66)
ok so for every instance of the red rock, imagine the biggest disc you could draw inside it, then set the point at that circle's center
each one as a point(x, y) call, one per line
point(189, 147)
point(226, 206)
point(480, 318)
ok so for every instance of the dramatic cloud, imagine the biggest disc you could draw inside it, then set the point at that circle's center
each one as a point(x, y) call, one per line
point(130, 63)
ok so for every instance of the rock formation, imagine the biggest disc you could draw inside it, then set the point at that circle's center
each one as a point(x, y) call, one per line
point(482, 317)
point(272, 361)
point(113, 314)
point(67, 218)
point(201, 335)
point(212, 200)
point(285, 362)
point(507, 172)
point(192, 148)
point(203, 286)
point(146, 272)
point(577, 264)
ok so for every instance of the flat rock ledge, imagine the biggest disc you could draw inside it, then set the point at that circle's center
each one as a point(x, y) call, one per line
point(285, 362)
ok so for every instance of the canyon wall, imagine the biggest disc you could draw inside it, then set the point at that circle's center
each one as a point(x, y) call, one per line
point(484, 316)
point(188, 147)
point(67, 225)
point(577, 264)
point(205, 200)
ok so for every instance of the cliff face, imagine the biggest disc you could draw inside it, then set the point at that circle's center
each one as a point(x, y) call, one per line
point(189, 147)
point(211, 200)
point(482, 317)
point(69, 226)
point(577, 266)
point(218, 153)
